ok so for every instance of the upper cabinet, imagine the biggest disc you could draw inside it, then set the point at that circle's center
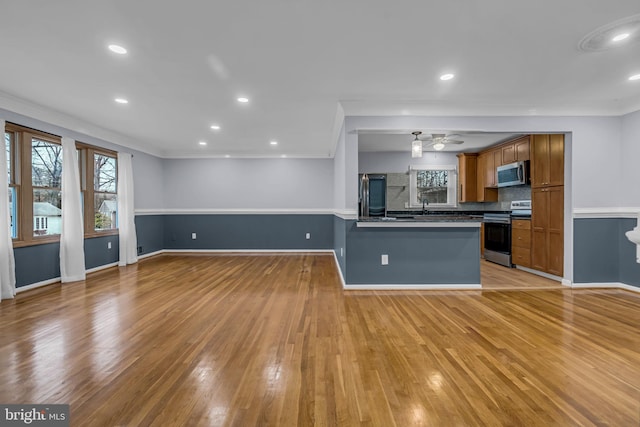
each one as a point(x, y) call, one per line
point(467, 173)
point(515, 151)
point(547, 160)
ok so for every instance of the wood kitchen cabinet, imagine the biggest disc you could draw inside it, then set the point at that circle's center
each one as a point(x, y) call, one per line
point(547, 160)
point(516, 151)
point(547, 229)
point(521, 242)
point(467, 177)
point(483, 193)
point(522, 148)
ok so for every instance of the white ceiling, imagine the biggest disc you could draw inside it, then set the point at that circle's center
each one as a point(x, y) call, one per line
point(300, 60)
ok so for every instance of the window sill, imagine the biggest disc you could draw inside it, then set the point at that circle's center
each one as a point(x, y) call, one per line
point(56, 239)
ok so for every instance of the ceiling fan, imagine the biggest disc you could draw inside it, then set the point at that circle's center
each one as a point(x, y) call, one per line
point(436, 140)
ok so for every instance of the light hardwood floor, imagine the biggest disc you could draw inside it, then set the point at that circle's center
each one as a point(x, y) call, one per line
point(494, 276)
point(274, 340)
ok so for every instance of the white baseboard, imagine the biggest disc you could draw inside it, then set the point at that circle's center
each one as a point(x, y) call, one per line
point(340, 272)
point(231, 251)
point(606, 285)
point(37, 285)
point(565, 282)
point(150, 254)
point(414, 287)
point(102, 267)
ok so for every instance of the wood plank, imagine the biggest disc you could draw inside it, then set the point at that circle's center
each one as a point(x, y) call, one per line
point(274, 340)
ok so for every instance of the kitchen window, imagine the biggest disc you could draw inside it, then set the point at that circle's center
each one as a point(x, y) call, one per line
point(435, 186)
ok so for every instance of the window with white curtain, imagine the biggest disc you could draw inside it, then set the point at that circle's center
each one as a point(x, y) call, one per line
point(34, 164)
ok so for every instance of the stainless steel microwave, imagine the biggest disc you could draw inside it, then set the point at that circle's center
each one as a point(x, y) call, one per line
point(516, 173)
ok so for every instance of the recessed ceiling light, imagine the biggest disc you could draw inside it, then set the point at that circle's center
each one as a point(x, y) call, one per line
point(121, 101)
point(215, 127)
point(635, 77)
point(243, 99)
point(283, 156)
point(227, 156)
point(448, 76)
point(117, 49)
point(202, 143)
point(273, 142)
point(620, 37)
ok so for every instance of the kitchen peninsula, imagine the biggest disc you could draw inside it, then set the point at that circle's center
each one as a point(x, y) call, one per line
point(422, 252)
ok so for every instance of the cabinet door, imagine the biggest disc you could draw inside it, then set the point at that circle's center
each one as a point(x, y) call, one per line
point(508, 154)
point(522, 149)
point(539, 228)
point(556, 160)
point(490, 171)
point(497, 155)
point(555, 234)
point(540, 161)
point(467, 177)
point(481, 176)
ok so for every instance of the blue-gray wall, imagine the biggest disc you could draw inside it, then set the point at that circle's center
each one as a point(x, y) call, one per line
point(340, 242)
point(416, 255)
point(602, 252)
point(150, 233)
point(248, 231)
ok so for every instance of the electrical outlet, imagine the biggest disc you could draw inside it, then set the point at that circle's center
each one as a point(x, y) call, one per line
point(193, 236)
point(139, 250)
point(308, 236)
point(384, 259)
point(108, 245)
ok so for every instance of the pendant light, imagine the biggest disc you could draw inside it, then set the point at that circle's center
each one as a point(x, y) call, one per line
point(416, 145)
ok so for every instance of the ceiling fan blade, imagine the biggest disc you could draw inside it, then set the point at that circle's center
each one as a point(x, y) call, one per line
point(454, 136)
point(453, 141)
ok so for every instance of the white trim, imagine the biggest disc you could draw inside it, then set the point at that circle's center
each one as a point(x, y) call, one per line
point(405, 286)
point(546, 275)
point(346, 214)
point(418, 224)
point(37, 285)
point(230, 251)
point(150, 254)
point(607, 285)
point(102, 267)
point(238, 211)
point(340, 273)
point(613, 212)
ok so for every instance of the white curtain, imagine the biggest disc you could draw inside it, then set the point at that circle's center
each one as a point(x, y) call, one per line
point(126, 213)
point(7, 262)
point(72, 236)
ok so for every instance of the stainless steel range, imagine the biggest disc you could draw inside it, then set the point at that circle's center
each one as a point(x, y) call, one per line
point(497, 232)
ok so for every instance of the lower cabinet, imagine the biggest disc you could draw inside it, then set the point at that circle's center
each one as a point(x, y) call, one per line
point(521, 242)
point(547, 241)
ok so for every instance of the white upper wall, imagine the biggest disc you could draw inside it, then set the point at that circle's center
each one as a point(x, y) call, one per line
point(594, 151)
point(399, 161)
point(630, 157)
point(248, 184)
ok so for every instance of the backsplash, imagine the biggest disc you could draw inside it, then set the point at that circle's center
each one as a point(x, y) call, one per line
point(398, 196)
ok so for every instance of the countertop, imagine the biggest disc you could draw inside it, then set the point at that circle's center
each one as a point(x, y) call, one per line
point(429, 220)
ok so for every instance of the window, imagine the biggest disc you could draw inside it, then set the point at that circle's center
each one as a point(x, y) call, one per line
point(433, 186)
point(34, 164)
point(46, 180)
point(99, 172)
